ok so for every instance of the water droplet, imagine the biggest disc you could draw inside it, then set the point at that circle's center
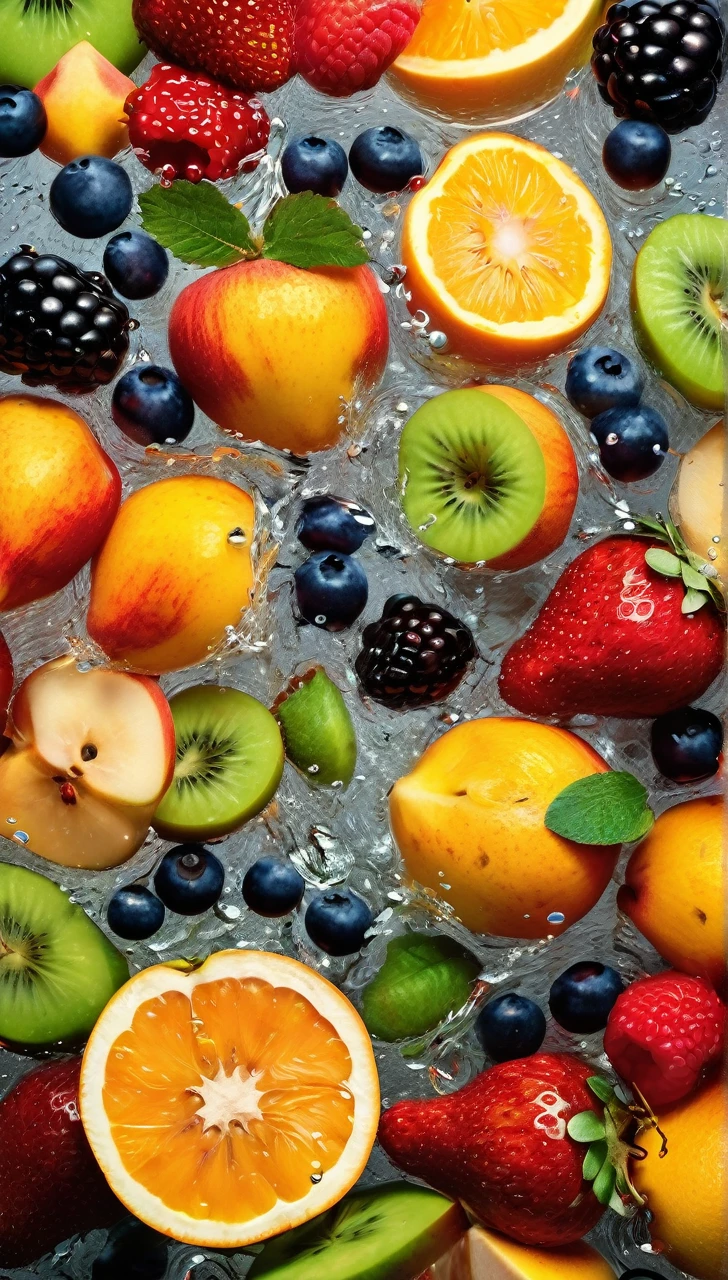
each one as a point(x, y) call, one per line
point(12, 821)
point(237, 537)
point(320, 619)
point(22, 837)
point(316, 1177)
point(438, 340)
point(556, 917)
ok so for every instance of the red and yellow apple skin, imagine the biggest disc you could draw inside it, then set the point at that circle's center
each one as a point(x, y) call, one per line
point(174, 573)
point(6, 678)
point(84, 98)
point(274, 353)
point(59, 493)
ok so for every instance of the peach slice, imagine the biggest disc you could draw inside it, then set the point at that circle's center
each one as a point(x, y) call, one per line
point(84, 98)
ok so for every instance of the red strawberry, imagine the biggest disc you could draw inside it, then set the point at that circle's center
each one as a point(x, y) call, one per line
point(52, 1187)
point(343, 46)
point(245, 43)
point(500, 1145)
point(662, 1033)
point(611, 640)
point(193, 127)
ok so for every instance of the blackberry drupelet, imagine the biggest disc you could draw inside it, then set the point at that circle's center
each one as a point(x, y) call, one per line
point(661, 61)
point(416, 654)
point(59, 325)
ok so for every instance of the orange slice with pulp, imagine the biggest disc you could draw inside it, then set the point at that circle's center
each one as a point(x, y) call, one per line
point(230, 1102)
point(506, 251)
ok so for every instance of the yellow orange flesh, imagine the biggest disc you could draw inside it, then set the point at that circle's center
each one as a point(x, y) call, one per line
point(229, 1104)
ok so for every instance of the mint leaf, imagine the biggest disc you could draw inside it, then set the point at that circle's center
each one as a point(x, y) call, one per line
point(601, 1087)
point(306, 230)
point(605, 808)
point(586, 1127)
point(197, 224)
point(594, 1159)
point(663, 562)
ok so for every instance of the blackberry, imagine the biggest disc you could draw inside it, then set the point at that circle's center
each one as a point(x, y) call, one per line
point(661, 61)
point(59, 325)
point(416, 654)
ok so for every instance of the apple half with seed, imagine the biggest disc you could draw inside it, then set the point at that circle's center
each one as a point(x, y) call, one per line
point(91, 755)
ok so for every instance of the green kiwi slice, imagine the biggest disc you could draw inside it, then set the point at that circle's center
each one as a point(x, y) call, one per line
point(57, 969)
point(36, 33)
point(229, 761)
point(472, 475)
point(391, 1232)
point(680, 304)
point(319, 732)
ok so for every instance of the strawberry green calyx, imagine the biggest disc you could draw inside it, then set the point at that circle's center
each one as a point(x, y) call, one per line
point(676, 560)
point(612, 1142)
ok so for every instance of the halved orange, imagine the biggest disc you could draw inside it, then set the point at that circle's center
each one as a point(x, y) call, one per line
point(495, 59)
point(230, 1102)
point(506, 251)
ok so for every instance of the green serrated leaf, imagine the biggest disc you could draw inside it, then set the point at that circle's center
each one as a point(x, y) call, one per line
point(593, 1160)
point(693, 580)
point(602, 1087)
point(663, 562)
point(603, 809)
point(197, 224)
point(586, 1127)
point(307, 230)
point(604, 1183)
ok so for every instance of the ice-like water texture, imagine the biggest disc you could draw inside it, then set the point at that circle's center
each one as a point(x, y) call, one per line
point(335, 838)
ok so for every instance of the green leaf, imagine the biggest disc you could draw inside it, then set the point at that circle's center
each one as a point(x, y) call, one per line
point(307, 230)
point(605, 808)
point(663, 562)
point(594, 1159)
point(694, 580)
point(602, 1087)
point(586, 1127)
point(694, 600)
point(422, 980)
point(197, 224)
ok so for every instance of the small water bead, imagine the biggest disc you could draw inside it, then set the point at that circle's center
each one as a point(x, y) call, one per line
point(438, 340)
point(22, 837)
point(237, 537)
point(556, 917)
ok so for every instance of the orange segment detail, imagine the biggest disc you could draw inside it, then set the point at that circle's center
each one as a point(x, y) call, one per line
point(458, 29)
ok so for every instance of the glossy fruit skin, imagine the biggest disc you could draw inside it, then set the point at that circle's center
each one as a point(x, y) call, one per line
point(337, 920)
point(135, 264)
point(272, 887)
point(344, 46)
point(327, 523)
point(52, 1185)
point(687, 744)
point(189, 880)
point(612, 640)
point(510, 1027)
point(331, 590)
point(91, 196)
point(84, 98)
point(633, 442)
point(132, 1251)
point(134, 913)
point(23, 121)
point(415, 654)
point(247, 47)
point(385, 159)
point(600, 378)
point(499, 1145)
point(315, 164)
point(151, 406)
point(583, 996)
point(637, 154)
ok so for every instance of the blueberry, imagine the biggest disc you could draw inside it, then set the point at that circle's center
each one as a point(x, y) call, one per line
point(272, 887)
point(151, 406)
point(132, 1251)
point(91, 196)
point(333, 524)
point(687, 744)
point(637, 154)
point(581, 999)
point(510, 1027)
point(331, 590)
point(599, 378)
point(133, 912)
point(189, 880)
point(385, 159)
point(23, 121)
point(314, 164)
point(633, 442)
point(336, 921)
point(136, 265)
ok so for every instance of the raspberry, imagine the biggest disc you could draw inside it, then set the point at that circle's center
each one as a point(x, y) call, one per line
point(416, 654)
point(190, 126)
point(343, 46)
point(662, 1033)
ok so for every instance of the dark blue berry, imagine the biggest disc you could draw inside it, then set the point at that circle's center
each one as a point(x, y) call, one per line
point(599, 378)
point(91, 196)
point(637, 154)
point(385, 159)
point(23, 121)
point(151, 406)
point(189, 880)
point(314, 164)
point(331, 590)
point(582, 998)
point(510, 1027)
point(272, 887)
point(133, 912)
point(633, 442)
point(333, 524)
point(132, 1251)
point(687, 744)
point(337, 920)
point(136, 265)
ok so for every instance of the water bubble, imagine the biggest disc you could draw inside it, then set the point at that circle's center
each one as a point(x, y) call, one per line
point(22, 837)
point(237, 537)
point(438, 340)
point(316, 1177)
point(556, 917)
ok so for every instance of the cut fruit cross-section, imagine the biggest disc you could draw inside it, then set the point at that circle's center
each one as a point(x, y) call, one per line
point(230, 1102)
